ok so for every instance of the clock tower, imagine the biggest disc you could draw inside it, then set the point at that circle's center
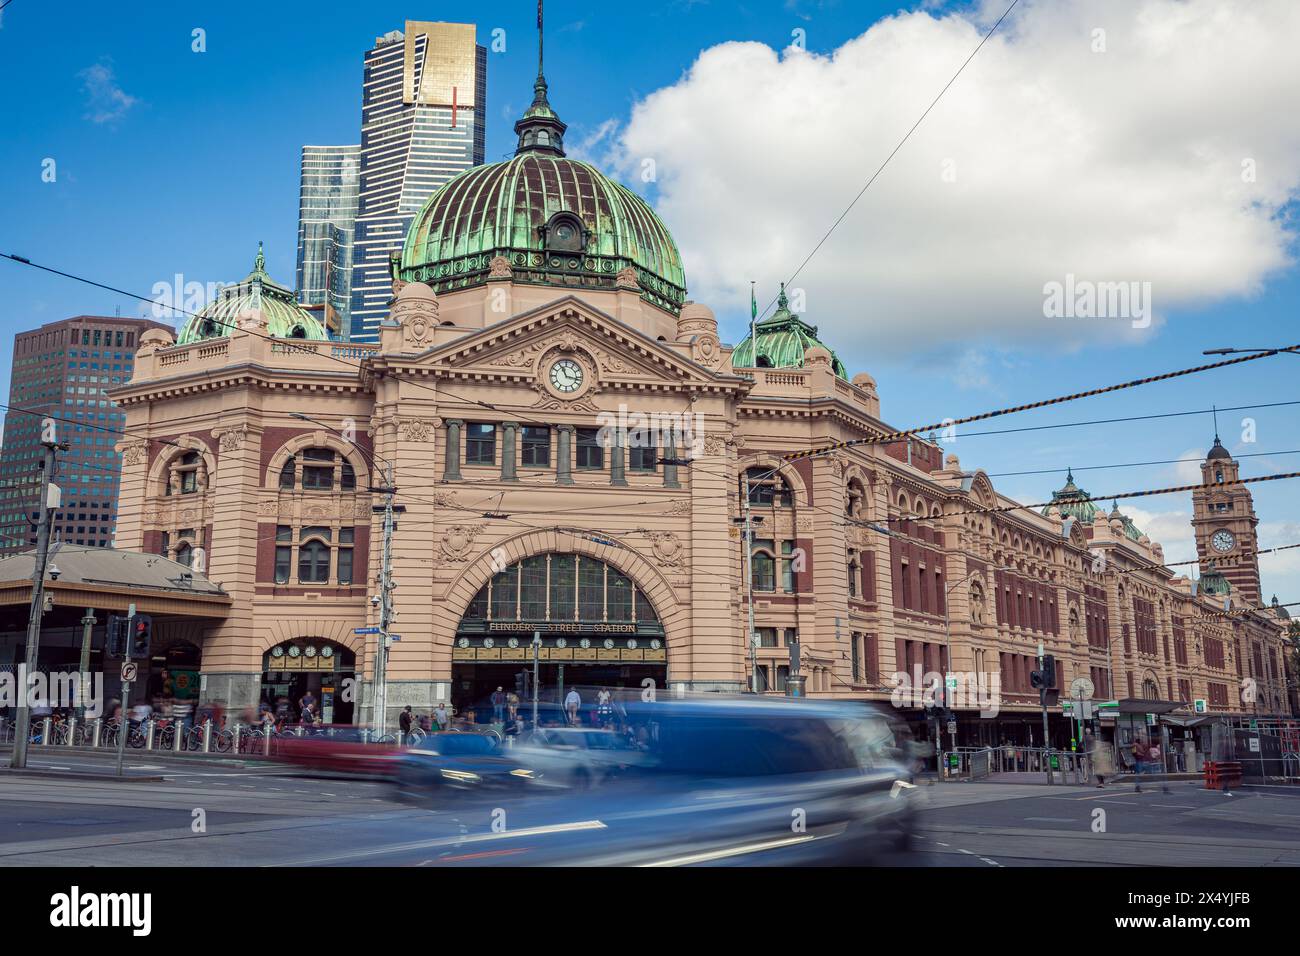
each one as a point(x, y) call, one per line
point(1223, 519)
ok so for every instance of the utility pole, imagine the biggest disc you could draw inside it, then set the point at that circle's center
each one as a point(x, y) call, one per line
point(50, 502)
point(83, 677)
point(385, 604)
point(747, 553)
point(1042, 701)
point(537, 651)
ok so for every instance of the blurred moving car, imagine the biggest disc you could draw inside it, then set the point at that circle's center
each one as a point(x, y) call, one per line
point(337, 748)
point(720, 781)
point(454, 764)
point(578, 757)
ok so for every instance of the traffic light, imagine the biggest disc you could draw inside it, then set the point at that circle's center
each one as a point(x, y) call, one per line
point(141, 635)
point(521, 685)
point(1046, 677)
point(116, 636)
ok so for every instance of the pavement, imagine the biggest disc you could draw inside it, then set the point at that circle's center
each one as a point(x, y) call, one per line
point(233, 812)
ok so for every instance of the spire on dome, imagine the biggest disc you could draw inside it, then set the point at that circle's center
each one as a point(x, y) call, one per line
point(540, 130)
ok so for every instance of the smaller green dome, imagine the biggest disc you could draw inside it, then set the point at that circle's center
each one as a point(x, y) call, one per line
point(1212, 582)
point(1067, 501)
point(782, 341)
point(257, 291)
point(1131, 531)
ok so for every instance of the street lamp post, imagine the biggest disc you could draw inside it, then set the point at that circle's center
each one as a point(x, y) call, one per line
point(386, 585)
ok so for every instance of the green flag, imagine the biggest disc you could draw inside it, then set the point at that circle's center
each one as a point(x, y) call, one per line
point(753, 303)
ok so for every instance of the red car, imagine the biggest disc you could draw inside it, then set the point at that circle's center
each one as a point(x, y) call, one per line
point(340, 748)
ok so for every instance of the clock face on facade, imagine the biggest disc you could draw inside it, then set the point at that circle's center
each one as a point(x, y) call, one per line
point(1223, 541)
point(566, 376)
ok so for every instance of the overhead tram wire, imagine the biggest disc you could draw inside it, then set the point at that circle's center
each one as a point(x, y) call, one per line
point(887, 438)
point(73, 421)
point(1135, 464)
point(1081, 499)
point(1226, 563)
point(894, 436)
point(881, 168)
point(789, 457)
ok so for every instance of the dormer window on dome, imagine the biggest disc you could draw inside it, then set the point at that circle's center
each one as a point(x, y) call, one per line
point(564, 232)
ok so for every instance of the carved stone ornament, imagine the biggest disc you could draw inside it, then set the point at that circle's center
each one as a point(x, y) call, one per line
point(457, 541)
point(444, 499)
point(667, 548)
point(499, 268)
point(714, 444)
point(680, 507)
point(416, 311)
point(134, 453)
point(417, 429)
point(524, 358)
point(626, 279)
point(268, 507)
point(252, 321)
point(706, 350)
point(232, 439)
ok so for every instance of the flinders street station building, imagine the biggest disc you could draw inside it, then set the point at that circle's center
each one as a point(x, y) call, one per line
point(571, 443)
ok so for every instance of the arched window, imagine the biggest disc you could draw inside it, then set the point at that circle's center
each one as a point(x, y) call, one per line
point(185, 555)
point(314, 562)
point(183, 474)
point(561, 588)
point(318, 469)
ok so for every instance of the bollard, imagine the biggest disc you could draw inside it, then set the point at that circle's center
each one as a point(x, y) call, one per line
point(72, 731)
point(207, 735)
point(148, 734)
point(95, 738)
point(178, 739)
point(234, 743)
point(46, 724)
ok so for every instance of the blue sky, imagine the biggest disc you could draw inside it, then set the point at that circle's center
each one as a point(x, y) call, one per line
point(170, 161)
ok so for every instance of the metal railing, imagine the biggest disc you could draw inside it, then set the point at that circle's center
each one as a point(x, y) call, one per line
point(979, 763)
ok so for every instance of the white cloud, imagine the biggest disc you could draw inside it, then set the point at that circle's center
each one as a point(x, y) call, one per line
point(106, 101)
point(1188, 469)
point(1123, 165)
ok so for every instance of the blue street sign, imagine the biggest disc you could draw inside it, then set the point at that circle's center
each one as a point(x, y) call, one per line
point(365, 630)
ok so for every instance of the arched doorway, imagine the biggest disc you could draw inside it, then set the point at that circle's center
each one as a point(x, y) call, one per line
point(597, 628)
point(291, 669)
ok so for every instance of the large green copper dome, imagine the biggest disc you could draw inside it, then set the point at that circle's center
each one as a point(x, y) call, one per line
point(556, 220)
point(782, 341)
point(257, 291)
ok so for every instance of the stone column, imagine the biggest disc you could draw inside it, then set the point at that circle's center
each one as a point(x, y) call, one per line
point(564, 456)
point(616, 474)
point(508, 432)
point(451, 470)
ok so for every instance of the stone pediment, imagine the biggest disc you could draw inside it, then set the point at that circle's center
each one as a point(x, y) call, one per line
point(527, 344)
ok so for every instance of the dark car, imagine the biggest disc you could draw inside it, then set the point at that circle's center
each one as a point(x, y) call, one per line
point(455, 764)
point(723, 781)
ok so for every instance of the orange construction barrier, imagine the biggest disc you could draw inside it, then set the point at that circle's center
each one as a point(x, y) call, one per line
point(1222, 774)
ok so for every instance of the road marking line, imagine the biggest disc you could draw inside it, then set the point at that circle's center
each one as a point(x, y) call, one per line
point(1179, 806)
point(967, 852)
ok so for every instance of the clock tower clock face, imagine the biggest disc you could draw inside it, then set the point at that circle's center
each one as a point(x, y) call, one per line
point(1222, 541)
point(566, 376)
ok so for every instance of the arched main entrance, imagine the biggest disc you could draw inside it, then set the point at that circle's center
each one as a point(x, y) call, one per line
point(292, 669)
point(597, 628)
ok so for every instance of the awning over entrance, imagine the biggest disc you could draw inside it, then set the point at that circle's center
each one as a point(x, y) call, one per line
point(112, 580)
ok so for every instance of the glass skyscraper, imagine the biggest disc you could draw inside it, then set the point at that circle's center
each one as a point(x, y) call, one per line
point(423, 116)
point(327, 209)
